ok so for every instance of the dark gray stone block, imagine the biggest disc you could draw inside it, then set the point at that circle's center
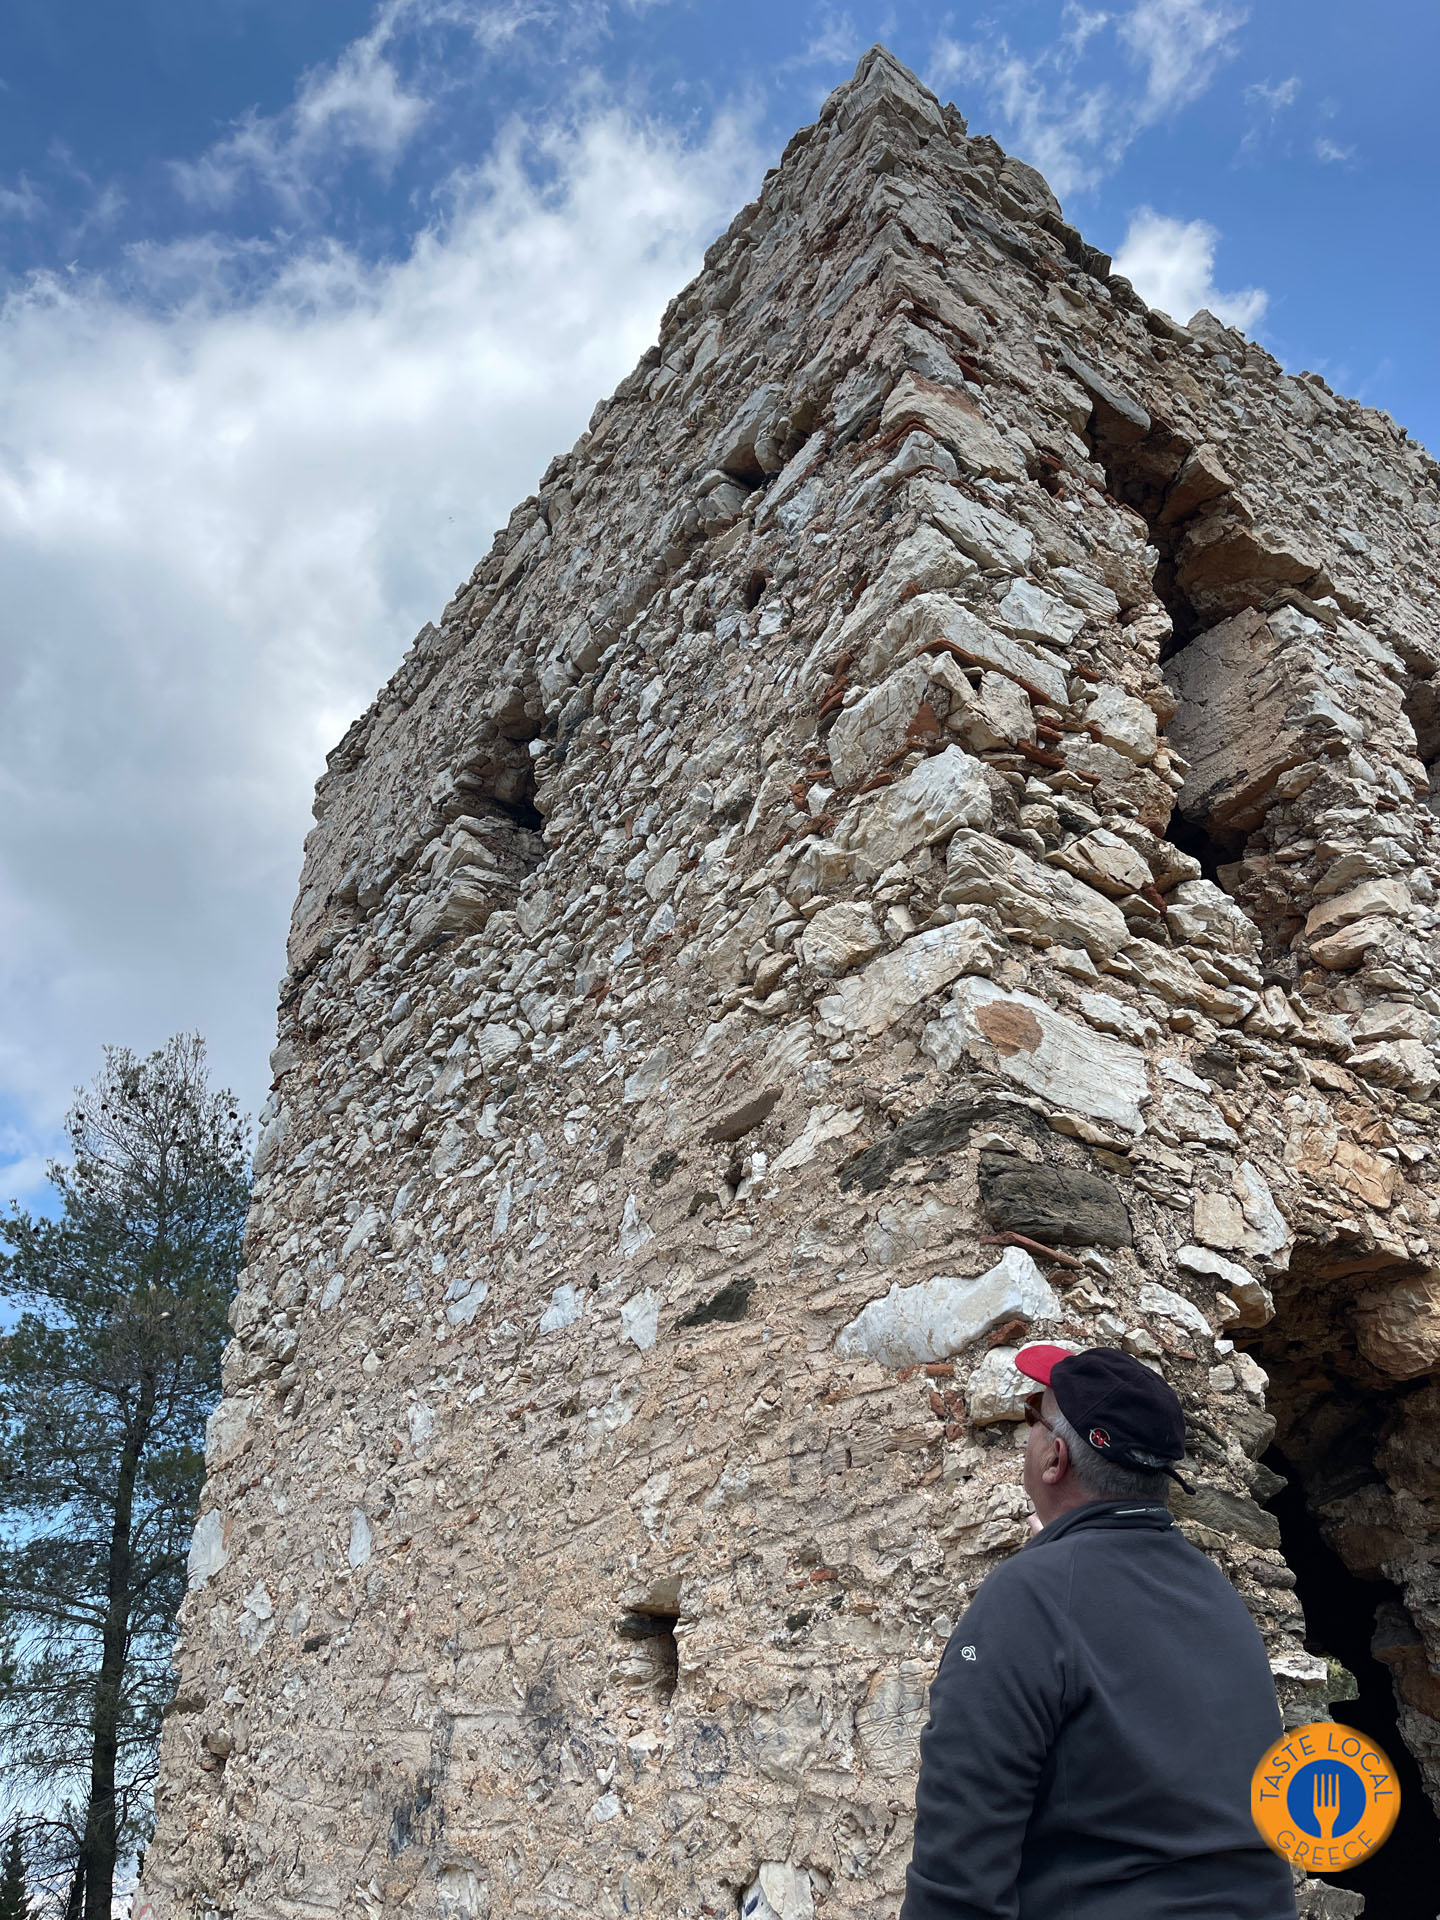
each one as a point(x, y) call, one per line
point(1057, 1205)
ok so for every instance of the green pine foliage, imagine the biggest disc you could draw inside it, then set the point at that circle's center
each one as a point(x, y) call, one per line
point(14, 1901)
point(106, 1379)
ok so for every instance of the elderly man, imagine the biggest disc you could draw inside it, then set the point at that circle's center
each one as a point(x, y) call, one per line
point(1102, 1705)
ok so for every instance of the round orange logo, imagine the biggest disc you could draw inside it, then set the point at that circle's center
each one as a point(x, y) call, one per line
point(1325, 1797)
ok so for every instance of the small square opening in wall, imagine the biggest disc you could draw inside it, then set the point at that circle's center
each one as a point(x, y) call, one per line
point(650, 1658)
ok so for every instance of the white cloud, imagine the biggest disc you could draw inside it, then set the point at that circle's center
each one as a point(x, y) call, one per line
point(222, 517)
point(1330, 150)
point(356, 104)
point(1075, 129)
point(371, 101)
point(1171, 264)
point(1180, 44)
point(23, 201)
point(836, 42)
point(1267, 103)
point(1273, 99)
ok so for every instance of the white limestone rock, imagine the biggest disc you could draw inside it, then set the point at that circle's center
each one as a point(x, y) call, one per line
point(274, 1124)
point(1199, 914)
point(1391, 1020)
point(635, 1233)
point(901, 1230)
point(820, 867)
point(840, 937)
point(922, 562)
point(462, 1893)
point(1124, 724)
point(1206, 1264)
point(1398, 1063)
point(448, 1154)
point(951, 417)
point(823, 1123)
point(1037, 615)
point(1102, 859)
point(640, 1319)
point(779, 1892)
point(359, 1549)
point(1250, 1376)
point(1343, 928)
point(1173, 977)
point(988, 537)
point(208, 1552)
point(871, 1001)
point(1043, 900)
point(1347, 947)
point(1110, 1015)
point(936, 621)
point(1068, 1064)
point(997, 714)
point(662, 874)
point(495, 1044)
point(997, 1390)
point(1093, 757)
point(936, 1318)
point(227, 1431)
point(737, 447)
point(877, 726)
point(1163, 1303)
point(944, 793)
point(1093, 597)
point(1249, 1302)
point(420, 1422)
point(1190, 1116)
point(1244, 1220)
point(466, 1295)
point(889, 1720)
point(567, 1304)
point(648, 1078)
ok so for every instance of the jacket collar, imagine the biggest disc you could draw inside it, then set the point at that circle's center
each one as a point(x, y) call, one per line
point(1112, 1515)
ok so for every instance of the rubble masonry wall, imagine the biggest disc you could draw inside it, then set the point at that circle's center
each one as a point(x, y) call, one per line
point(916, 836)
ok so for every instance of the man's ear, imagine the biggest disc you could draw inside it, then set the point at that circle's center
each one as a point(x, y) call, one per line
point(1059, 1466)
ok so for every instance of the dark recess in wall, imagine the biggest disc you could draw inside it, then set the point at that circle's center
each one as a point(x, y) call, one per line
point(1138, 474)
point(656, 1631)
point(1399, 1882)
point(1212, 850)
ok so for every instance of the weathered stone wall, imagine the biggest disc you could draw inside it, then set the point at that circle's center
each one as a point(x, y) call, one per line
point(751, 969)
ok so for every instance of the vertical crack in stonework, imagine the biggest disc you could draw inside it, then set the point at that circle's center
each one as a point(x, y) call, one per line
point(918, 835)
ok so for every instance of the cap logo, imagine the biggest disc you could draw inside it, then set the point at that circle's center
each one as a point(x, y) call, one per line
point(1099, 1437)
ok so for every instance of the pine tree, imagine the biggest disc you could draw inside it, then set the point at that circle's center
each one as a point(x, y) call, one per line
point(105, 1382)
point(14, 1901)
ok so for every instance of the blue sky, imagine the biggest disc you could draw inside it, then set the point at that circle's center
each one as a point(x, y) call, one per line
point(298, 300)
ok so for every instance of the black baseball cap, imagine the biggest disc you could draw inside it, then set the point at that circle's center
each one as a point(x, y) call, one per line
point(1124, 1411)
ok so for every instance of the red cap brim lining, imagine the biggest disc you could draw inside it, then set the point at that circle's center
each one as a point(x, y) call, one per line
point(1039, 1358)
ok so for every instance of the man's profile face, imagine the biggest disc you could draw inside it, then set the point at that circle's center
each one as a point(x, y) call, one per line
point(1039, 1449)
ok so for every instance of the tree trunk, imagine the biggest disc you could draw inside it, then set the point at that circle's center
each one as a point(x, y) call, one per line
point(75, 1899)
point(99, 1845)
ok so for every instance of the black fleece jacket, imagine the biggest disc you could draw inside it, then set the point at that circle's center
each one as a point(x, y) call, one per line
point(1093, 1728)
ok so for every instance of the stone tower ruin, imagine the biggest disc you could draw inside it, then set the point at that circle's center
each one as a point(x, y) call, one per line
point(917, 835)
